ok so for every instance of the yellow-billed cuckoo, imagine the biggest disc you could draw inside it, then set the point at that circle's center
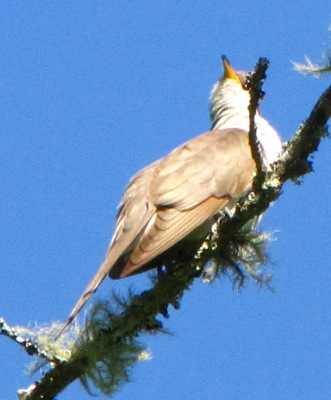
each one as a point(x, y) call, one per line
point(170, 199)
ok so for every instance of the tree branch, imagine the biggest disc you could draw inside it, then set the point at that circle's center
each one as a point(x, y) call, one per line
point(295, 160)
point(138, 317)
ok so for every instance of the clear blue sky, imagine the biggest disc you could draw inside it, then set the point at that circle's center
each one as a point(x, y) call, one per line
point(92, 91)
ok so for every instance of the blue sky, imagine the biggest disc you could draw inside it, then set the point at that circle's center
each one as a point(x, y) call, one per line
point(92, 91)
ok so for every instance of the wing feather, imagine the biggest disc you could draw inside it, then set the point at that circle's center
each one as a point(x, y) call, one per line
point(163, 233)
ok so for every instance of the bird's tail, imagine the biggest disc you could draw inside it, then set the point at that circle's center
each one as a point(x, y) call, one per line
point(89, 291)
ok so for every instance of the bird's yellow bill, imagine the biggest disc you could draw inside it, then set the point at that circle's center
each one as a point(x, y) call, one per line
point(229, 72)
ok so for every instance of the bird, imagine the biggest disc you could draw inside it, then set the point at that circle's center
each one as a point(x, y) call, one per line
point(177, 197)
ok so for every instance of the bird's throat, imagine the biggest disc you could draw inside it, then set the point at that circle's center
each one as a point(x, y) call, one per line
point(229, 109)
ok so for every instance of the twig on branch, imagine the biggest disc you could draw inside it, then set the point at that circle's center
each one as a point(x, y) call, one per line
point(254, 85)
point(316, 70)
point(31, 347)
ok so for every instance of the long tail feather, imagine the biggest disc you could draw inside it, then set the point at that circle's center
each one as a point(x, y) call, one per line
point(89, 291)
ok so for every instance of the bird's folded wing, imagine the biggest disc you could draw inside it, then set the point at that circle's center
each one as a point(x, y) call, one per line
point(188, 187)
point(217, 163)
point(168, 228)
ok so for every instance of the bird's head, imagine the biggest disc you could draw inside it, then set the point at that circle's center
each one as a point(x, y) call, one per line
point(229, 98)
point(231, 76)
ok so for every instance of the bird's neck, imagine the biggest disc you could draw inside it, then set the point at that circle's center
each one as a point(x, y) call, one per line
point(229, 109)
point(229, 106)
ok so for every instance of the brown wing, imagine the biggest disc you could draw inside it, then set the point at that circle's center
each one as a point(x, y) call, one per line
point(187, 188)
point(167, 228)
point(167, 200)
